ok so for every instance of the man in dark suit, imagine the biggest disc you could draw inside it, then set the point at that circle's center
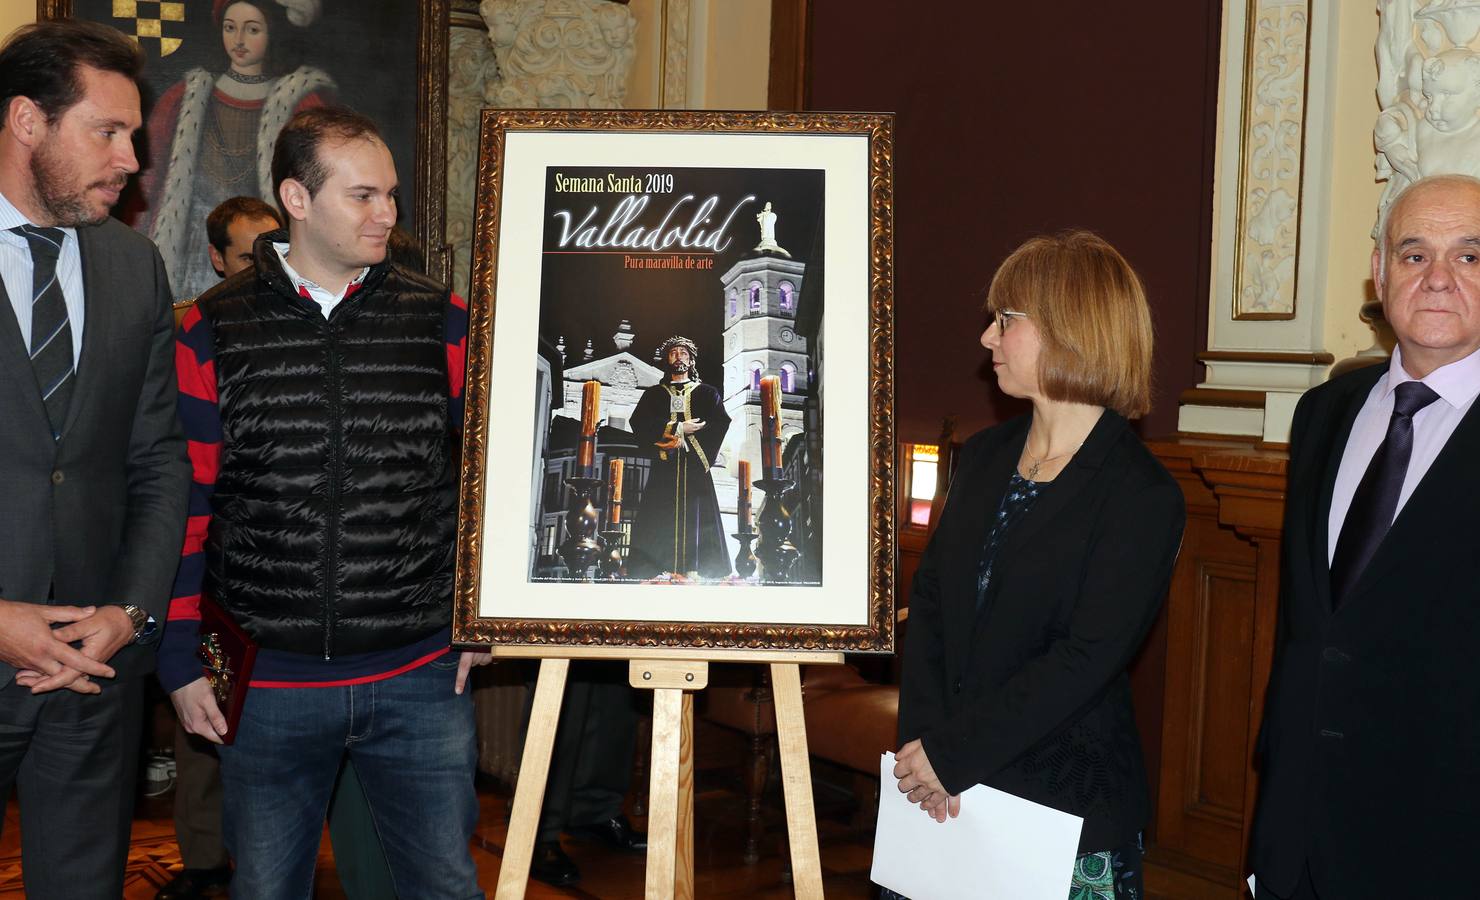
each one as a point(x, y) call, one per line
point(590, 771)
point(1370, 773)
point(93, 469)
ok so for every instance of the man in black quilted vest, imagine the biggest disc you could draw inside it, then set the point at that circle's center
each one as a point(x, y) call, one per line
point(321, 391)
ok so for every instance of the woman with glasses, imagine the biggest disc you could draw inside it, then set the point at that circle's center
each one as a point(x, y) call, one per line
point(1049, 565)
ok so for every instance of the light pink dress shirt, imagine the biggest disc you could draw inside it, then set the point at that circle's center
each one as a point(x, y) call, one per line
point(1456, 384)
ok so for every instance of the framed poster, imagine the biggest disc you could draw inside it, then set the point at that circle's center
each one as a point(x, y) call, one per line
point(679, 406)
point(222, 77)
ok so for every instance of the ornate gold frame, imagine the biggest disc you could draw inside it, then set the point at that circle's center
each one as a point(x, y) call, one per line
point(878, 635)
point(430, 165)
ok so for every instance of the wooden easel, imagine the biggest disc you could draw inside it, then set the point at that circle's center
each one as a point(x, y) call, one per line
point(672, 676)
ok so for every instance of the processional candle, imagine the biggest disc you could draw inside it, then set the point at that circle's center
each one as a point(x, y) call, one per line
point(614, 492)
point(771, 427)
point(590, 409)
point(742, 503)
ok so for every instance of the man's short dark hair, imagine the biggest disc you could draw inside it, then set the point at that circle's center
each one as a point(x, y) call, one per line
point(296, 155)
point(218, 223)
point(42, 61)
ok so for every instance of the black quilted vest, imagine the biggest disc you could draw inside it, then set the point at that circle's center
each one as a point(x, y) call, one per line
point(334, 509)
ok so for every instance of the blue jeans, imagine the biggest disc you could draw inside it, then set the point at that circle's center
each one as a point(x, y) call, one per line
point(411, 740)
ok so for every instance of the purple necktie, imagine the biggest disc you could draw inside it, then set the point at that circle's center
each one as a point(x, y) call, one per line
point(1376, 500)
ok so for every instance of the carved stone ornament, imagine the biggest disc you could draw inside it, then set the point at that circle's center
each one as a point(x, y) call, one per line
point(543, 53)
point(1273, 146)
point(471, 74)
point(560, 54)
point(1428, 88)
point(675, 75)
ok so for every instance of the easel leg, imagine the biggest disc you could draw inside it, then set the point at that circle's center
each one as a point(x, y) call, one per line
point(513, 873)
point(796, 781)
point(670, 857)
point(663, 793)
point(683, 882)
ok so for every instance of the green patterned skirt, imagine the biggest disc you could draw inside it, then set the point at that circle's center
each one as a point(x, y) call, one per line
point(1108, 875)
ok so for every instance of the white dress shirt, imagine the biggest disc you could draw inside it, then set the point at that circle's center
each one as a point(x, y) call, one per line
point(321, 296)
point(1456, 384)
point(15, 273)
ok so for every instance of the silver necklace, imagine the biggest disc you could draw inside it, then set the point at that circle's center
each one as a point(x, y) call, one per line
point(1033, 469)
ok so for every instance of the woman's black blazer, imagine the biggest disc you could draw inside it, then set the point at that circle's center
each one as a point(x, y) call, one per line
point(1029, 694)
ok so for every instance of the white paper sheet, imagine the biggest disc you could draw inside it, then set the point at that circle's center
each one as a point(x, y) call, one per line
point(1001, 847)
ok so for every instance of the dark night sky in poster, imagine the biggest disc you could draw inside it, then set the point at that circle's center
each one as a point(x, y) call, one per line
point(587, 290)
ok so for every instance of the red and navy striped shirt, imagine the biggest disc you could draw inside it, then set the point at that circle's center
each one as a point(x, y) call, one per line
point(200, 416)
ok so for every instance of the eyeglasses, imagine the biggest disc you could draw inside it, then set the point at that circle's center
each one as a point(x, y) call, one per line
point(1003, 318)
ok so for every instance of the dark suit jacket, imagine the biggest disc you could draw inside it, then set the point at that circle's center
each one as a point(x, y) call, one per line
point(1371, 739)
point(1030, 694)
point(99, 515)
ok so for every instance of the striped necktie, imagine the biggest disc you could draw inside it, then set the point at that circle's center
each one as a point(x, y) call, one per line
point(51, 332)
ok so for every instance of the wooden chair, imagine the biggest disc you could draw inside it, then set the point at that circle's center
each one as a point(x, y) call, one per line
point(739, 698)
point(851, 719)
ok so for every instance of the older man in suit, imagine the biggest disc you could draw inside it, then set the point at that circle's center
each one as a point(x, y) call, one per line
point(93, 469)
point(1370, 773)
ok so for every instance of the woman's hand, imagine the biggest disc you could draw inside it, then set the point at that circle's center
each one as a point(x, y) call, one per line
point(918, 779)
point(951, 808)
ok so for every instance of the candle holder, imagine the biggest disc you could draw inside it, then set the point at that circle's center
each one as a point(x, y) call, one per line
point(582, 545)
point(744, 557)
point(777, 554)
point(612, 566)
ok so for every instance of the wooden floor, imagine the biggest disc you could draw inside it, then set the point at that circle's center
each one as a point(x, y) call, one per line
point(719, 839)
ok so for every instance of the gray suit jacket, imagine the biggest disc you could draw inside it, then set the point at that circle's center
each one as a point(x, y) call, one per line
point(98, 516)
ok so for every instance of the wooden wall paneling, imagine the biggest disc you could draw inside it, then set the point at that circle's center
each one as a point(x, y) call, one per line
point(787, 85)
point(1211, 598)
point(1150, 671)
point(1220, 636)
point(1251, 490)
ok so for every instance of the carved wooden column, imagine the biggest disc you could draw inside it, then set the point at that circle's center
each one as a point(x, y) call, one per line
point(1221, 614)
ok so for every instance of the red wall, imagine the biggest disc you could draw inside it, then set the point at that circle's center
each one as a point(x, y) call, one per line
point(1019, 118)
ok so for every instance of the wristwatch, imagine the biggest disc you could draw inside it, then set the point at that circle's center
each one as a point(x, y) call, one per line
point(144, 624)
